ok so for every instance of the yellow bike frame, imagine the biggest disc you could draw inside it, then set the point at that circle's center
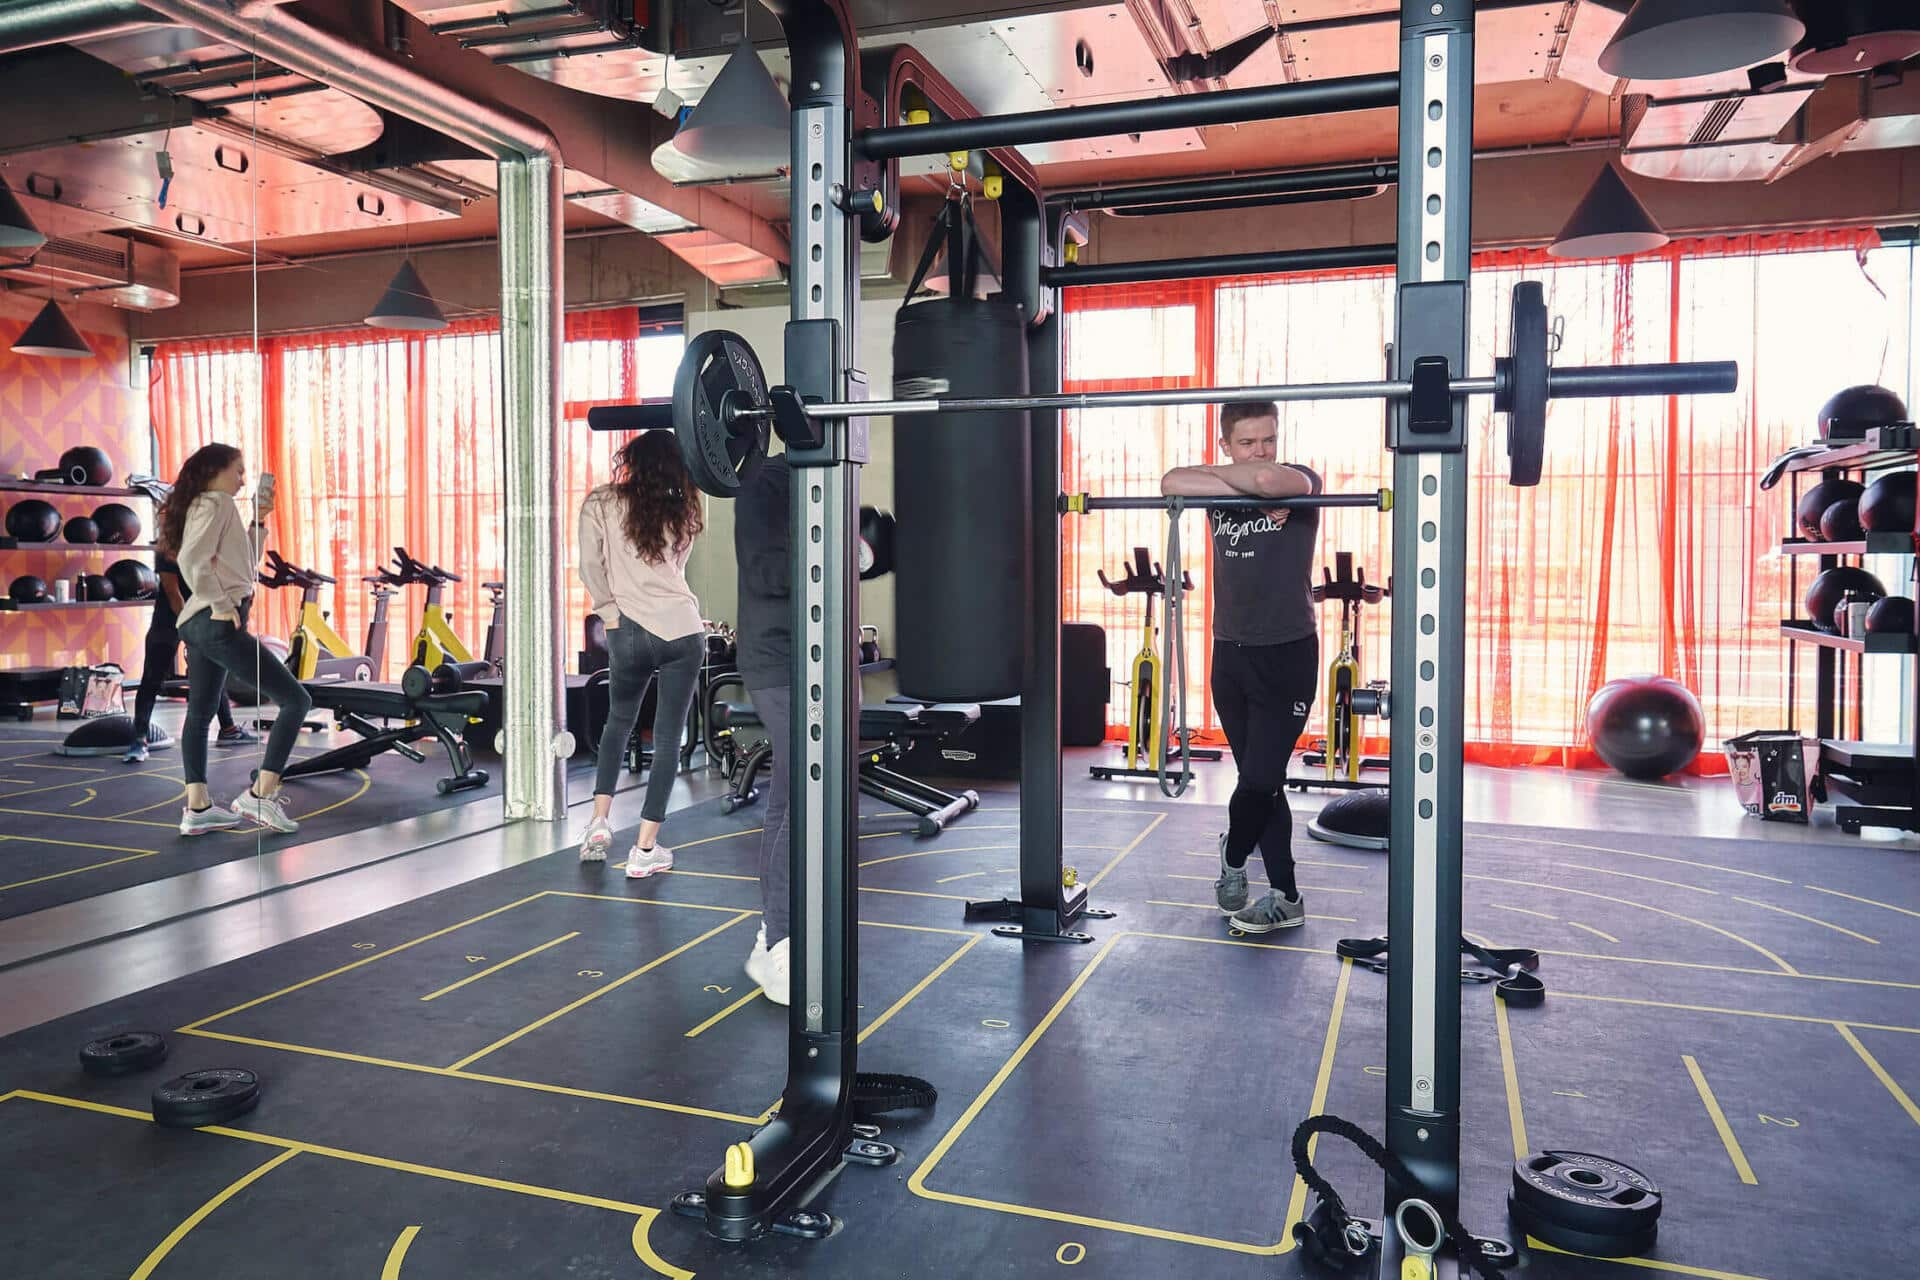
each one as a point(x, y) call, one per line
point(436, 641)
point(1146, 728)
point(311, 639)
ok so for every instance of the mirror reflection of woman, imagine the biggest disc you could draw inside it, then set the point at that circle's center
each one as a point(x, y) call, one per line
point(218, 552)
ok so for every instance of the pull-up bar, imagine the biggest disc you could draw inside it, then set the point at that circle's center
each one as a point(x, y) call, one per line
point(1248, 186)
point(1276, 262)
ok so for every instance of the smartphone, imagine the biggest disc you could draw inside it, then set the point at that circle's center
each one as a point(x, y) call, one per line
point(263, 491)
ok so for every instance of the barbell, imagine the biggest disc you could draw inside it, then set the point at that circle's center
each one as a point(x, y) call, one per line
point(723, 410)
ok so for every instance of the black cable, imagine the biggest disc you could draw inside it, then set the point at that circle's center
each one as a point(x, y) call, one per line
point(877, 1092)
point(1473, 1250)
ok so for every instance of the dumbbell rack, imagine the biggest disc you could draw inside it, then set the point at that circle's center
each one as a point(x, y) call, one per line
point(1843, 761)
point(44, 489)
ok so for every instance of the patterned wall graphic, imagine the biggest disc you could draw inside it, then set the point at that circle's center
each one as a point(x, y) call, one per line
point(47, 406)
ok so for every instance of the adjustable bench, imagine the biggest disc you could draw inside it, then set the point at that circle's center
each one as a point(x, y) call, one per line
point(434, 715)
point(885, 730)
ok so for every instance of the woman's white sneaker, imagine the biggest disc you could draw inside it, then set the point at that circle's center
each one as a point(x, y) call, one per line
point(593, 847)
point(211, 818)
point(642, 863)
point(768, 966)
point(268, 811)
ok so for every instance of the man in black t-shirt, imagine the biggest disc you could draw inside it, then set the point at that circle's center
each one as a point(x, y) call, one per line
point(1266, 654)
point(163, 643)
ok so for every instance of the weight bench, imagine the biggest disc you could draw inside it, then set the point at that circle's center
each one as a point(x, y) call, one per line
point(356, 704)
point(885, 730)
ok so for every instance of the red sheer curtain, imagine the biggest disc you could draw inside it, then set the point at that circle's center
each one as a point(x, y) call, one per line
point(1648, 547)
point(385, 439)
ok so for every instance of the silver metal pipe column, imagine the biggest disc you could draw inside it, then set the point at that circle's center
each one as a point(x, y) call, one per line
point(531, 173)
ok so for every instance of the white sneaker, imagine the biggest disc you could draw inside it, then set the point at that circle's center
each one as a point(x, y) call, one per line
point(769, 967)
point(642, 863)
point(599, 835)
point(268, 812)
point(212, 818)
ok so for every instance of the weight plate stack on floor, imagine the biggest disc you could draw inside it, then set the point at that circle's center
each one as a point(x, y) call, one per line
point(213, 1096)
point(1585, 1203)
point(124, 1054)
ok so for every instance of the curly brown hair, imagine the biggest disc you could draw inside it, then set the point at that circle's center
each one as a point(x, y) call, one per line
point(196, 473)
point(661, 507)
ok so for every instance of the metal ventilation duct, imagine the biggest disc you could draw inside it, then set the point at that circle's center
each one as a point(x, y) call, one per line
point(113, 269)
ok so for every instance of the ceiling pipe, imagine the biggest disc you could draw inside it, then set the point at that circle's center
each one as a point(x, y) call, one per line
point(32, 24)
point(531, 172)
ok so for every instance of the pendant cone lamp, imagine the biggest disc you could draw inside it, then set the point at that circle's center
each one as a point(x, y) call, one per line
point(740, 128)
point(18, 234)
point(1681, 39)
point(1609, 222)
point(407, 303)
point(52, 335)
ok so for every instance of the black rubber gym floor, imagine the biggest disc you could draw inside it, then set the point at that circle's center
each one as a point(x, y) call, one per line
point(513, 1077)
point(74, 827)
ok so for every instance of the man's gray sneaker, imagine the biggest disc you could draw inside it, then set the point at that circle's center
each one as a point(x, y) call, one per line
point(1271, 912)
point(1230, 890)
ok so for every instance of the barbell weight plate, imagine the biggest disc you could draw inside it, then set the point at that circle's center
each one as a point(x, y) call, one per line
point(719, 366)
point(213, 1096)
point(124, 1054)
point(1590, 1195)
point(1526, 395)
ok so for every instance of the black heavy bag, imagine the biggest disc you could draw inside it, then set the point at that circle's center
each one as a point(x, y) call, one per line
point(960, 490)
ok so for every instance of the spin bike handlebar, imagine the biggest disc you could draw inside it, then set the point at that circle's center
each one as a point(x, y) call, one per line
point(292, 575)
point(410, 571)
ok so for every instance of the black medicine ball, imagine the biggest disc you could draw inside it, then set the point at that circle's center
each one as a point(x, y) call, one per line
point(82, 529)
point(1850, 414)
point(1887, 504)
point(1841, 521)
point(132, 580)
point(1895, 613)
point(1815, 501)
point(32, 520)
point(84, 464)
point(95, 586)
point(27, 589)
point(1823, 597)
point(119, 524)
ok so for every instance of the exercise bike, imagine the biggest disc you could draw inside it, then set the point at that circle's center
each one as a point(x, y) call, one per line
point(315, 650)
point(1148, 736)
point(436, 641)
point(1349, 699)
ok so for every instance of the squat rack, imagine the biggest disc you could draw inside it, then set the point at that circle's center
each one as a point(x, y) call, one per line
point(769, 1183)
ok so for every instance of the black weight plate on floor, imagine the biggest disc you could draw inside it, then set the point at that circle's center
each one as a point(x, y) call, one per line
point(213, 1096)
point(124, 1054)
point(1550, 1232)
point(718, 364)
point(1526, 398)
point(1588, 1195)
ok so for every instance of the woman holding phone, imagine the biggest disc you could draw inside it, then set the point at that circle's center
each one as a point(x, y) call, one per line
point(218, 552)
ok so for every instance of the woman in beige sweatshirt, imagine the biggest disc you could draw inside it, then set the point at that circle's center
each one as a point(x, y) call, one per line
point(218, 551)
point(635, 537)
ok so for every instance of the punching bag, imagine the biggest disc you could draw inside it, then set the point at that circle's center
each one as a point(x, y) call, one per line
point(961, 501)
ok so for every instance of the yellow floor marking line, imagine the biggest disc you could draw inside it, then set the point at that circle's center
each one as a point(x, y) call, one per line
point(89, 798)
point(478, 1077)
point(1739, 1013)
point(1232, 942)
point(346, 968)
point(1733, 968)
point(724, 835)
point(601, 990)
point(1131, 845)
point(1525, 911)
point(1629, 853)
point(918, 928)
point(1628, 902)
point(1305, 888)
point(61, 875)
point(1215, 908)
point(741, 1003)
point(1297, 1202)
point(1516, 1120)
point(1720, 1124)
point(1307, 862)
point(928, 853)
point(1647, 1264)
point(366, 781)
point(398, 1254)
point(1628, 875)
point(644, 1213)
point(917, 893)
point(642, 902)
point(705, 875)
point(531, 951)
point(1872, 902)
point(918, 987)
point(194, 1219)
point(93, 775)
point(91, 817)
point(917, 1183)
point(1873, 1064)
point(1768, 906)
point(178, 797)
point(1587, 928)
point(969, 875)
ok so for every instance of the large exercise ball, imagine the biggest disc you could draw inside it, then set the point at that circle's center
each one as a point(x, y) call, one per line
point(132, 580)
point(84, 464)
point(1815, 501)
point(95, 586)
point(28, 589)
point(1887, 504)
point(32, 520)
point(1850, 414)
point(1893, 614)
point(1823, 597)
point(119, 523)
point(81, 529)
point(1646, 726)
point(1841, 521)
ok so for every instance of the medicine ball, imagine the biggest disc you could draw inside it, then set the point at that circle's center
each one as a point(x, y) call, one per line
point(95, 586)
point(27, 589)
point(1887, 504)
point(1855, 411)
point(118, 524)
point(1895, 613)
point(1841, 521)
point(81, 529)
point(1646, 726)
point(33, 520)
point(84, 464)
point(132, 580)
point(1815, 501)
point(1823, 597)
